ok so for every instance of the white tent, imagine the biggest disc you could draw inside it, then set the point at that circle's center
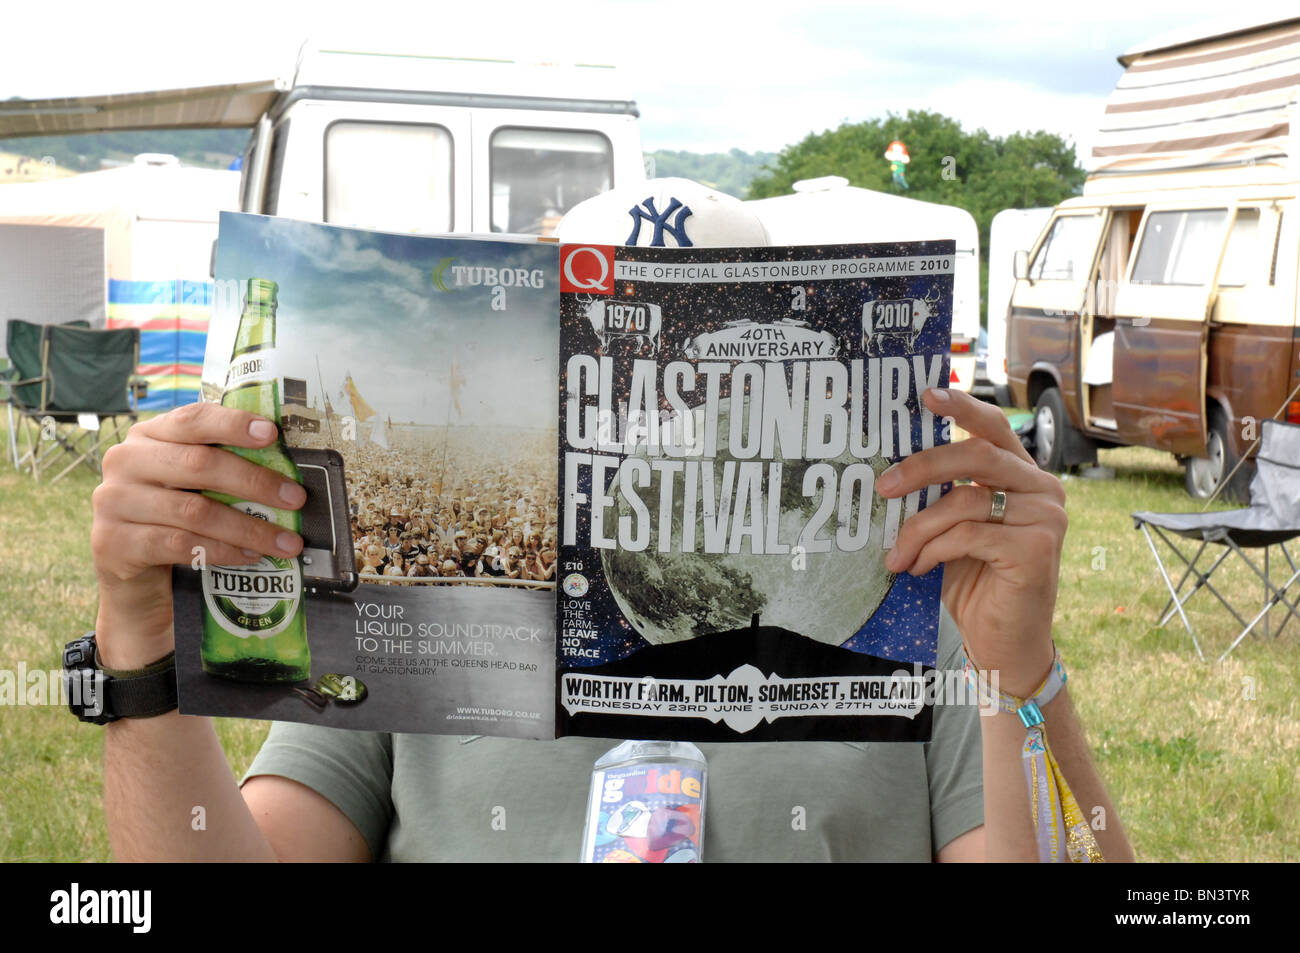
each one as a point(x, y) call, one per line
point(144, 236)
point(159, 218)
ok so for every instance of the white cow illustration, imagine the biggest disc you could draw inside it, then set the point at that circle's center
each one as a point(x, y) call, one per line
point(898, 318)
point(630, 321)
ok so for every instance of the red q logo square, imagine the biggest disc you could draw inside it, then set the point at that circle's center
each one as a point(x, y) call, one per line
point(587, 269)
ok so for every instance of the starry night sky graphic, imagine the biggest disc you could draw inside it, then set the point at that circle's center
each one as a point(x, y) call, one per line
point(905, 627)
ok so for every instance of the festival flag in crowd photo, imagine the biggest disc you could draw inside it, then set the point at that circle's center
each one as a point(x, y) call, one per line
point(457, 382)
point(360, 409)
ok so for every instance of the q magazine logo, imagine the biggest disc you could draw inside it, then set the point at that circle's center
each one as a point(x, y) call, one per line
point(77, 906)
point(587, 269)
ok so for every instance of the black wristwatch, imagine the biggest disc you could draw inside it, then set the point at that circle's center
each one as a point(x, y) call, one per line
point(98, 695)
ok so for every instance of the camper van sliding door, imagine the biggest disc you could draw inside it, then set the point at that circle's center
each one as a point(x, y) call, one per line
point(1162, 314)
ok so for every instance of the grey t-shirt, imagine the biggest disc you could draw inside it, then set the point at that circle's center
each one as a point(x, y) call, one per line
point(438, 797)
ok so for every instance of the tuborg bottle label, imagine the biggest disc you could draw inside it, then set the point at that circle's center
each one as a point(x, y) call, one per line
point(253, 368)
point(261, 599)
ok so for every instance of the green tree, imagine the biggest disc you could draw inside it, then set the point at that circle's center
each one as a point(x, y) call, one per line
point(981, 173)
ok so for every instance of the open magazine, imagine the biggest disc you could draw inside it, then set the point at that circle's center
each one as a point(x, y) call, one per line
point(671, 464)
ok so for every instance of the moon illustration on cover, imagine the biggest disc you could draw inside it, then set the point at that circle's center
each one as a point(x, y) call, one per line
point(674, 596)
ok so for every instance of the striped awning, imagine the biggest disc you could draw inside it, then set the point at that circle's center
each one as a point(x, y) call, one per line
point(1219, 102)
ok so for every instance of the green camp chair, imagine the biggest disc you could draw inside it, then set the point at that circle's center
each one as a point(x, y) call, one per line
point(23, 357)
point(71, 391)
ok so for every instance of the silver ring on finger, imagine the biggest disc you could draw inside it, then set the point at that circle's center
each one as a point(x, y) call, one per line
point(998, 511)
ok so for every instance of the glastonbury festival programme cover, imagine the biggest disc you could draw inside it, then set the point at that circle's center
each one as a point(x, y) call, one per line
point(707, 544)
point(416, 377)
point(724, 414)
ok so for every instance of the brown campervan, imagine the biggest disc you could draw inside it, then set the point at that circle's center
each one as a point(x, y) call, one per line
point(1158, 309)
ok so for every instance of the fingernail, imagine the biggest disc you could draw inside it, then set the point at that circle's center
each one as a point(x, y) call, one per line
point(292, 493)
point(889, 479)
point(890, 559)
point(252, 555)
point(261, 430)
point(939, 393)
point(286, 542)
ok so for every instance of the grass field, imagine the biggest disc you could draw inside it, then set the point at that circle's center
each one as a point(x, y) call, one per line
point(50, 801)
point(1202, 759)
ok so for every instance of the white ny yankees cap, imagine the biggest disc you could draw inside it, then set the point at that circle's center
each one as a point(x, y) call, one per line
point(675, 213)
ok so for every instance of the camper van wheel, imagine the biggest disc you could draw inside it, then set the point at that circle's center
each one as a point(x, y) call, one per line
point(1050, 427)
point(1203, 474)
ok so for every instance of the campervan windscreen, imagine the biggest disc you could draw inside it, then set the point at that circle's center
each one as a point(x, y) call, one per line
point(539, 174)
point(1067, 251)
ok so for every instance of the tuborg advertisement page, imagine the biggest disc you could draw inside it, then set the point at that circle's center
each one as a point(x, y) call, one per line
point(702, 560)
point(413, 379)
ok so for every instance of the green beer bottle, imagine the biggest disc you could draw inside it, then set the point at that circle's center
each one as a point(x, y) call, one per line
point(254, 617)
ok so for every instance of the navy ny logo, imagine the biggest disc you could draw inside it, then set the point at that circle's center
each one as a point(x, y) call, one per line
point(660, 221)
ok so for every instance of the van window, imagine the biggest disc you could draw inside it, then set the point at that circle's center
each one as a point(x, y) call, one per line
point(539, 174)
point(1241, 257)
point(391, 176)
point(1067, 252)
point(1179, 247)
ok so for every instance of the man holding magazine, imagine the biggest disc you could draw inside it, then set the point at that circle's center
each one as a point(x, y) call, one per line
point(982, 788)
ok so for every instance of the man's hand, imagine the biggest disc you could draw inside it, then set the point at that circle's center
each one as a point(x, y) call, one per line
point(1000, 580)
point(146, 519)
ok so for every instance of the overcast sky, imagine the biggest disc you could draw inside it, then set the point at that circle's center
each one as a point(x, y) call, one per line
point(360, 303)
point(708, 76)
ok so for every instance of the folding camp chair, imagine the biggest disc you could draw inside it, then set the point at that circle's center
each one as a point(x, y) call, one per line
point(25, 342)
point(1270, 522)
point(71, 391)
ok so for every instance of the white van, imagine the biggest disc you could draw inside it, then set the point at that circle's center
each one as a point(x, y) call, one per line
point(394, 140)
point(1012, 229)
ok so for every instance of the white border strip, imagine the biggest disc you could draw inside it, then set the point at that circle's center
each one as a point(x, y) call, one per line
point(832, 269)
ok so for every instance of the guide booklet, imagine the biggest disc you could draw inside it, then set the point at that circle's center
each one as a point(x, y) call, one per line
point(573, 490)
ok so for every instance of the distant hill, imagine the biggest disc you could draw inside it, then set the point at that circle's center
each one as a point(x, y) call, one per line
point(210, 148)
point(729, 172)
point(16, 168)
